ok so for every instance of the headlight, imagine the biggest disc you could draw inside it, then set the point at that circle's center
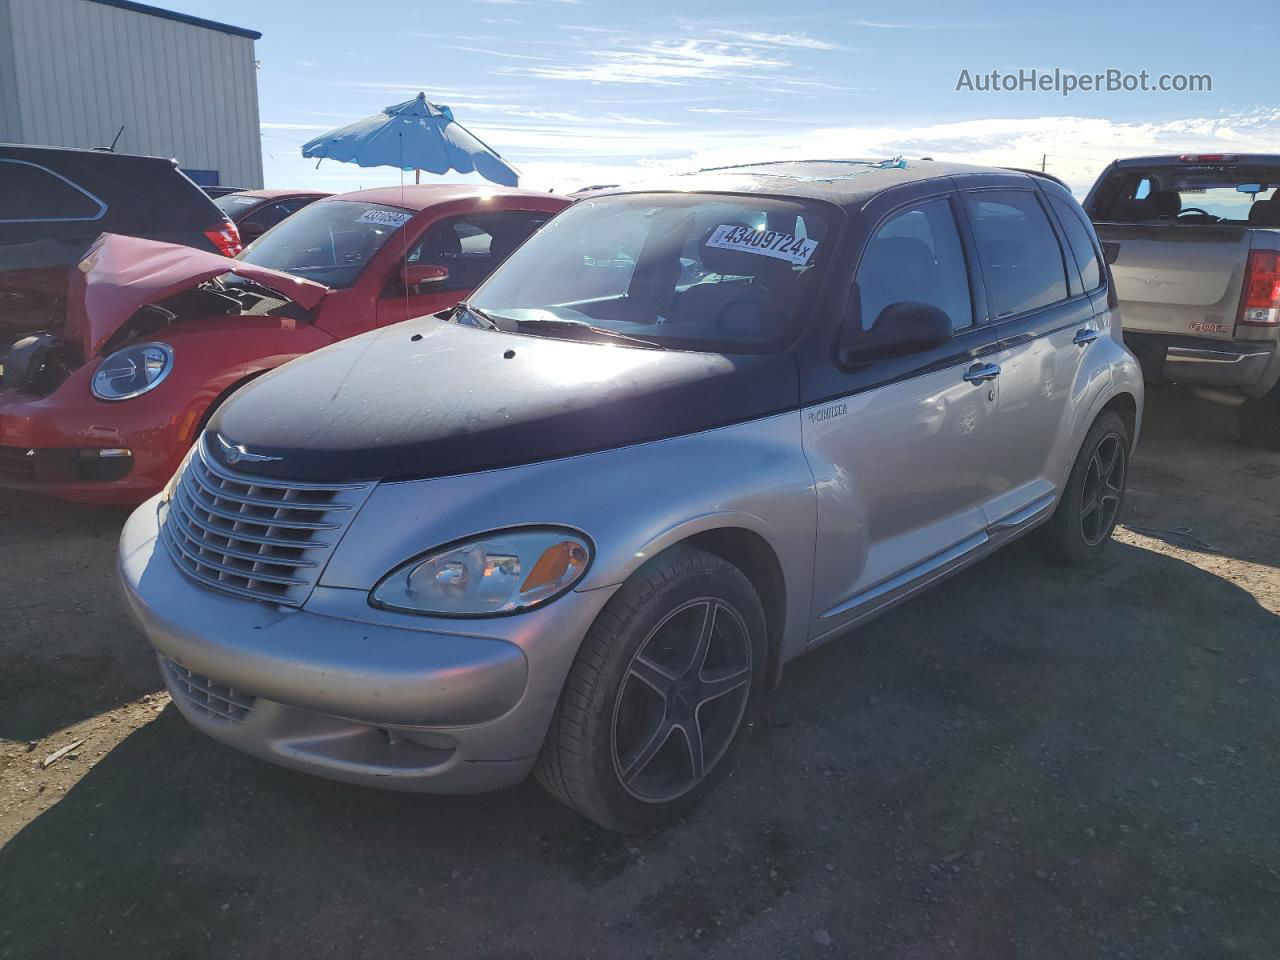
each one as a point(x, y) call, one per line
point(509, 571)
point(132, 371)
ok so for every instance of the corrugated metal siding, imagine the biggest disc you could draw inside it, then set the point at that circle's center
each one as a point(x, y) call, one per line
point(10, 118)
point(84, 69)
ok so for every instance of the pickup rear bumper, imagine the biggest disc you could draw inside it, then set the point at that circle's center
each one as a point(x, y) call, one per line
point(1251, 367)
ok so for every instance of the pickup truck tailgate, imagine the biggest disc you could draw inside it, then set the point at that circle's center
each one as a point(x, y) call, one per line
point(1177, 279)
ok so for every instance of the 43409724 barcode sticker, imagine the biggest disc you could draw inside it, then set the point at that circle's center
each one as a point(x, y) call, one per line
point(767, 243)
point(386, 218)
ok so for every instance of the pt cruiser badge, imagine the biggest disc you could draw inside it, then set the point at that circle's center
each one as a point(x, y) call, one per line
point(683, 435)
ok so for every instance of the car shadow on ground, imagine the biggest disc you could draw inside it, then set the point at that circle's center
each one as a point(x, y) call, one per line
point(67, 648)
point(1028, 760)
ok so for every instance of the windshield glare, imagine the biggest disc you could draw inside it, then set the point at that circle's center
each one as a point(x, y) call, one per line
point(725, 274)
point(235, 203)
point(329, 241)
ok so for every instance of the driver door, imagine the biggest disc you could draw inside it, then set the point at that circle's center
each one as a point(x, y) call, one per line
point(901, 448)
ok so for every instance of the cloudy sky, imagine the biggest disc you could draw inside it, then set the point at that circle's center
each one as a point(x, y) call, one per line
point(576, 92)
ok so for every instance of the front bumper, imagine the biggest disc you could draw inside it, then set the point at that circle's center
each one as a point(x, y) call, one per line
point(53, 445)
point(343, 691)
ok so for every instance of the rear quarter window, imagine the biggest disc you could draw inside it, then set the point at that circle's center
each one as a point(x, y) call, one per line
point(1081, 239)
point(33, 193)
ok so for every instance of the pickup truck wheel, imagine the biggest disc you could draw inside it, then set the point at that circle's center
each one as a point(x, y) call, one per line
point(655, 704)
point(1260, 420)
point(1081, 526)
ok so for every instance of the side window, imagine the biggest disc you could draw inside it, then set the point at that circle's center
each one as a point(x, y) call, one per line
point(1080, 239)
point(272, 213)
point(1019, 250)
point(470, 247)
point(916, 255)
point(30, 193)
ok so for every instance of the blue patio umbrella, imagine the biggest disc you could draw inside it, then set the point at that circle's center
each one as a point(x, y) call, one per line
point(414, 135)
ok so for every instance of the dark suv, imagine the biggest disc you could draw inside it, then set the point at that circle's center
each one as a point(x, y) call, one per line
point(55, 201)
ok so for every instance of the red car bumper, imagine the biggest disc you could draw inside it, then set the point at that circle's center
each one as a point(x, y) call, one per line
point(74, 447)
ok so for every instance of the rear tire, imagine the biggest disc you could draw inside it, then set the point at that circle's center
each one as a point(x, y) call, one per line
point(1260, 420)
point(680, 647)
point(1086, 515)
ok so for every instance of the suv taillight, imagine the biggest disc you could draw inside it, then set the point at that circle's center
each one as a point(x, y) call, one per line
point(1260, 301)
point(226, 238)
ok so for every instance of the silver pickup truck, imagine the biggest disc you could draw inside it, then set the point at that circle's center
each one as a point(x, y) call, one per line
point(1194, 244)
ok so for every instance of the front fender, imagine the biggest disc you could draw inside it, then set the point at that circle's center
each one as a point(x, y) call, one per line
point(633, 502)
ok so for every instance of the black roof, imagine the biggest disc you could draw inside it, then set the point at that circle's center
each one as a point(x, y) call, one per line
point(846, 183)
point(35, 152)
point(180, 18)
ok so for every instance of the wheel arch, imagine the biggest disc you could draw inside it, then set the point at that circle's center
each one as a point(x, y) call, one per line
point(755, 557)
point(1126, 406)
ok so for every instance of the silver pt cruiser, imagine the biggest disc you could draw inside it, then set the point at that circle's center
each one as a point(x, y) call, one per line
point(578, 525)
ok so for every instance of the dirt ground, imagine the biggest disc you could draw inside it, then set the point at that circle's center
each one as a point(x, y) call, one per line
point(1028, 761)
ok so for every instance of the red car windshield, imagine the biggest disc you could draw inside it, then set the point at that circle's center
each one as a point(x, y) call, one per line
point(329, 241)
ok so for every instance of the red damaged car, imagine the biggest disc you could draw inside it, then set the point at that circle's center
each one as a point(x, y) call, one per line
point(157, 335)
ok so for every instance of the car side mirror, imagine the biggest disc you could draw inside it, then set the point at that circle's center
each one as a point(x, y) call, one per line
point(901, 329)
point(251, 231)
point(422, 274)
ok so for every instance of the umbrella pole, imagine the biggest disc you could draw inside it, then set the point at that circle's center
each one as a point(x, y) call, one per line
point(417, 176)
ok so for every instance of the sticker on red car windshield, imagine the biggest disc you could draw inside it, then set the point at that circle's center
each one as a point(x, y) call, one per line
point(385, 218)
point(767, 243)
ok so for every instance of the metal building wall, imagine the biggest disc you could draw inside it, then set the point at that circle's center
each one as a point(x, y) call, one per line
point(83, 69)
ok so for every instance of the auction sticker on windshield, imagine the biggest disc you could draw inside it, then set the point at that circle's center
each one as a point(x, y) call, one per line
point(387, 218)
point(767, 243)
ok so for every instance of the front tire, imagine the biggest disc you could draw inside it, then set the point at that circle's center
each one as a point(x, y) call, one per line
point(656, 701)
point(1086, 515)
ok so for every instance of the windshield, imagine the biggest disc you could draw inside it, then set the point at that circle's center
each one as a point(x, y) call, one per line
point(682, 271)
point(234, 204)
point(329, 241)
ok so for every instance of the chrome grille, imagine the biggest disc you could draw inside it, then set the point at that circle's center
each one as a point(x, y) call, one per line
point(208, 697)
point(251, 536)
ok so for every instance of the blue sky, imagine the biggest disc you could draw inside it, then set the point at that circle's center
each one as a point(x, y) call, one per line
point(590, 91)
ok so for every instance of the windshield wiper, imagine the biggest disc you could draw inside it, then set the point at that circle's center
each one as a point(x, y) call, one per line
point(479, 315)
point(561, 323)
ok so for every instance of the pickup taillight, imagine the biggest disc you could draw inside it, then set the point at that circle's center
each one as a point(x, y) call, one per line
point(226, 238)
point(1260, 301)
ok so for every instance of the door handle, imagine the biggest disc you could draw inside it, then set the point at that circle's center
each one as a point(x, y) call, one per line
point(982, 372)
point(1085, 336)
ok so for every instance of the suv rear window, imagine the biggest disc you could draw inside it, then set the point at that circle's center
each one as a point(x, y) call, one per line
point(1020, 254)
point(29, 192)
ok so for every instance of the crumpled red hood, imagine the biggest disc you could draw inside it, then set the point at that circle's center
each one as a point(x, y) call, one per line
point(120, 274)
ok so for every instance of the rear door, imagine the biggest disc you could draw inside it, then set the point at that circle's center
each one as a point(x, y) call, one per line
point(902, 448)
point(1044, 320)
point(468, 247)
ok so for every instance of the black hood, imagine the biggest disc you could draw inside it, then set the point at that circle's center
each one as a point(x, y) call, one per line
point(429, 398)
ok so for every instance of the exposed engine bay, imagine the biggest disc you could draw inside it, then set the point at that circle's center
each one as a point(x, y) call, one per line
point(37, 364)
